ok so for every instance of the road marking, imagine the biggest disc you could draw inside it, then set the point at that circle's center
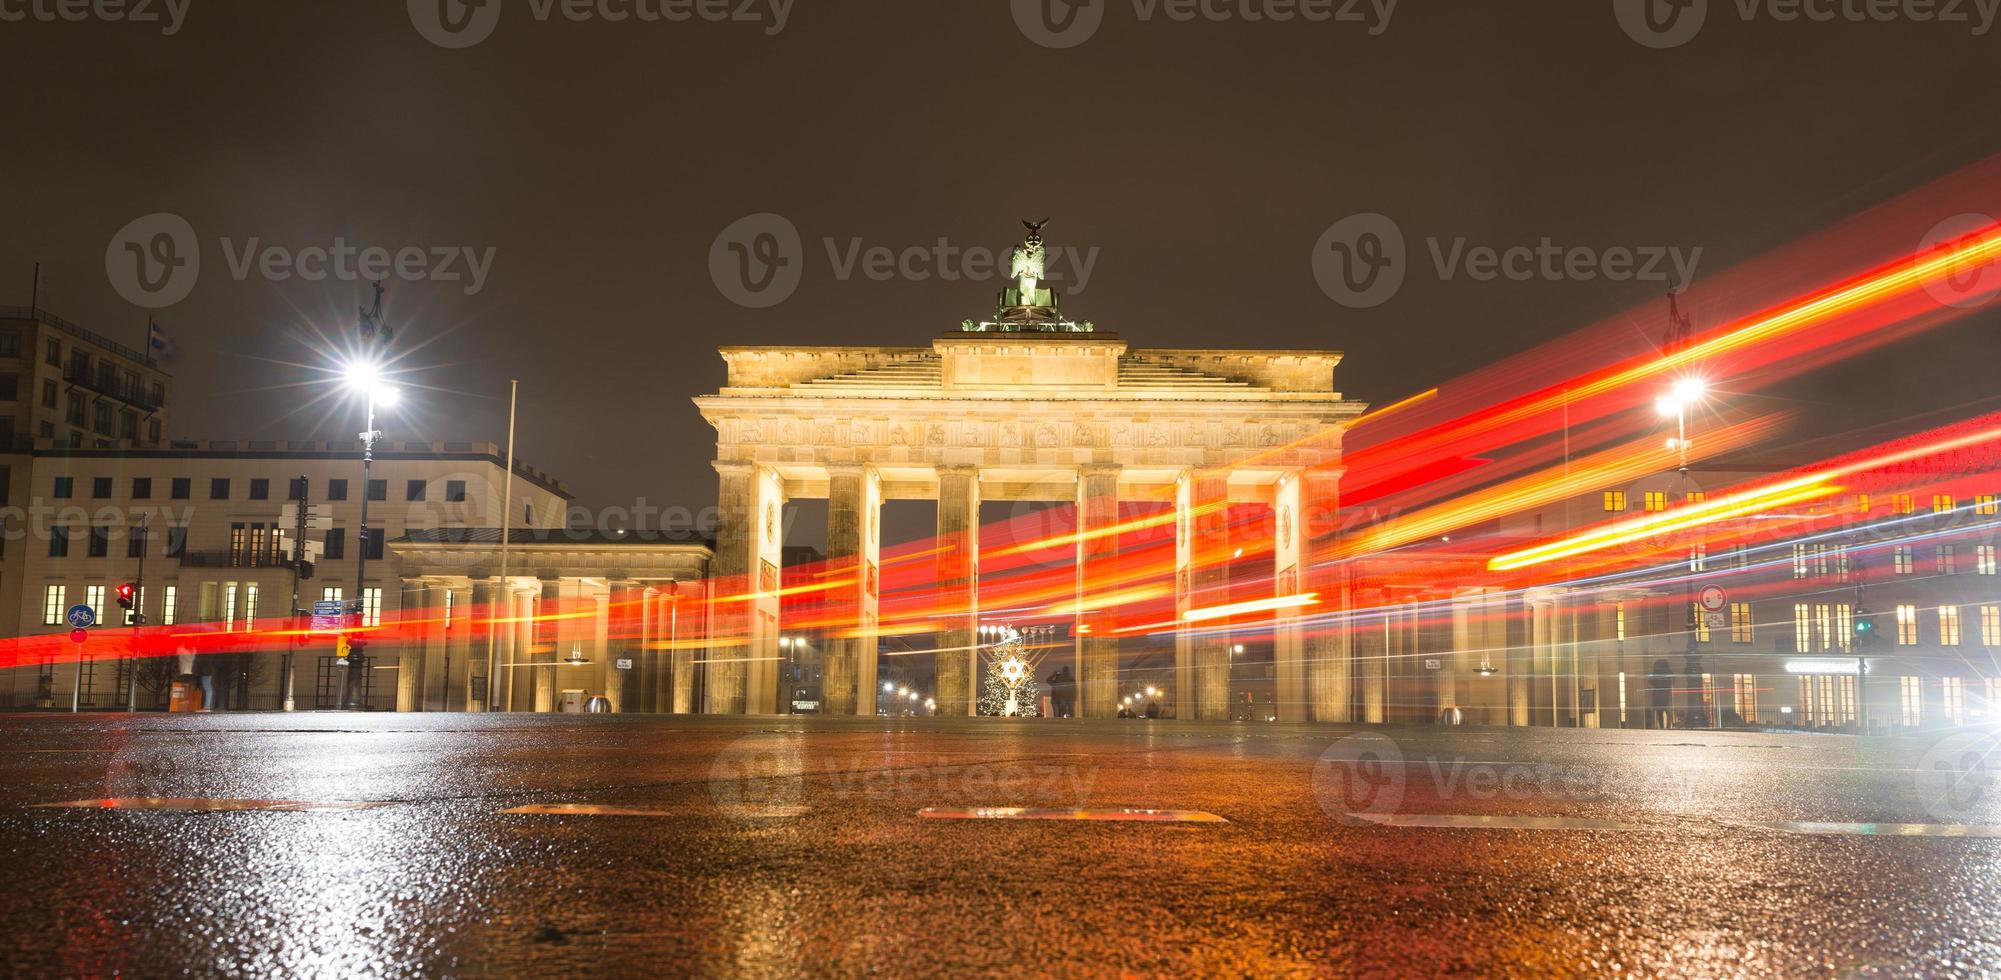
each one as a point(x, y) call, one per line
point(588, 810)
point(1880, 829)
point(180, 804)
point(1467, 821)
point(1057, 813)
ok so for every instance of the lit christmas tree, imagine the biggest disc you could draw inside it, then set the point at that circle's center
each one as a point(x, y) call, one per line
point(1007, 688)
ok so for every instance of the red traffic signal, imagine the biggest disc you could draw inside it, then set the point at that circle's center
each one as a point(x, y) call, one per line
point(78, 636)
point(126, 592)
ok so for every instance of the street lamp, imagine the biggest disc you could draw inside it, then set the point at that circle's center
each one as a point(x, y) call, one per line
point(364, 377)
point(1683, 393)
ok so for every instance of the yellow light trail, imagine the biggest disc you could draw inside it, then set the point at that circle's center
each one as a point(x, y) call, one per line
point(1253, 606)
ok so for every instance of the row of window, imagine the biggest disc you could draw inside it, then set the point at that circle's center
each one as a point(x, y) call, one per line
point(250, 545)
point(231, 603)
point(182, 488)
point(1655, 501)
point(1830, 699)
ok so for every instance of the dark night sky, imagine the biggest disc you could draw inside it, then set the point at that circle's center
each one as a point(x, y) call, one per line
point(601, 160)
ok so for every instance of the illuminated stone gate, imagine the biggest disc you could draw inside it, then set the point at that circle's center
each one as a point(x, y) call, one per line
point(1027, 406)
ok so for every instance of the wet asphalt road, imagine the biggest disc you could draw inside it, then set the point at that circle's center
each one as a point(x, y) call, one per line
point(784, 847)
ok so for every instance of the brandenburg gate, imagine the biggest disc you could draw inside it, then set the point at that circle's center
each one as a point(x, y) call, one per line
point(1026, 406)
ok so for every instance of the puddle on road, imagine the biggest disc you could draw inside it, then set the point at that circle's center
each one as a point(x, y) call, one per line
point(589, 810)
point(1050, 813)
point(1465, 821)
point(1881, 829)
point(203, 805)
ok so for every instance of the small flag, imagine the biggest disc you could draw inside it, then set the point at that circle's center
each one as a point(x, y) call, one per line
point(158, 344)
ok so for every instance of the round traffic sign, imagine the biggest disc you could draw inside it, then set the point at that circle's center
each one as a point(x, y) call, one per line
point(81, 616)
point(79, 635)
point(1713, 598)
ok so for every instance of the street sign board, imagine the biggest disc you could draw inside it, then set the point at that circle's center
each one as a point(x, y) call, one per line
point(1433, 665)
point(1713, 598)
point(81, 616)
point(79, 635)
point(329, 615)
point(624, 663)
point(1714, 620)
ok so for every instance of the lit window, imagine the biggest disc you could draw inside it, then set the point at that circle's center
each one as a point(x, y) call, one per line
point(1948, 626)
point(1907, 626)
point(1619, 619)
point(1799, 561)
point(1952, 699)
point(1862, 503)
point(1743, 555)
point(229, 606)
point(1802, 628)
point(1913, 701)
point(1902, 560)
point(250, 606)
point(1990, 626)
point(93, 596)
point(1983, 559)
point(55, 599)
point(1986, 505)
point(1942, 503)
point(371, 607)
point(1948, 560)
point(1901, 504)
point(1698, 558)
point(170, 604)
point(1622, 697)
point(1697, 496)
point(1656, 500)
point(1844, 626)
point(1742, 627)
point(1823, 618)
point(451, 601)
point(1615, 500)
point(1695, 616)
point(1747, 696)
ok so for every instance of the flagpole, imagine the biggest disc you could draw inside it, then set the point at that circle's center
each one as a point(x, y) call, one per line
point(506, 598)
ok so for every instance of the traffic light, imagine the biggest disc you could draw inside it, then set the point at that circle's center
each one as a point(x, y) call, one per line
point(1865, 628)
point(340, 650)
point(126, 593)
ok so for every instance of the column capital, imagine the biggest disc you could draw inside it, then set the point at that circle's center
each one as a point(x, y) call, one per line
point(733, 468)
point(848, 469)
point(1100, 469)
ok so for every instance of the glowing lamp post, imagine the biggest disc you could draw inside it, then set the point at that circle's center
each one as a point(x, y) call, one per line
point(364, 378)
